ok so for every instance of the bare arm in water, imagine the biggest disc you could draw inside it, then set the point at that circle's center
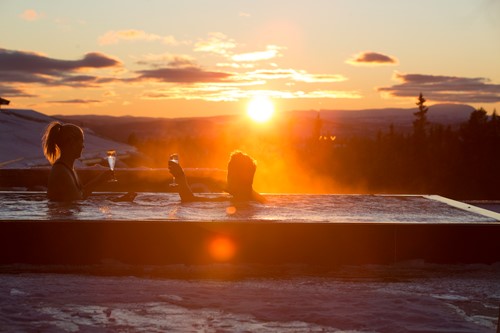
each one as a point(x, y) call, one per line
point(187, 194)
point(183, 187)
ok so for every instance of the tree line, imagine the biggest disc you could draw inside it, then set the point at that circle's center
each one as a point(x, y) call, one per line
point(462, 163)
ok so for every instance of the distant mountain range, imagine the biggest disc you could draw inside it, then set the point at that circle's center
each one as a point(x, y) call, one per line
point(446, 114)
point(370, 121)
point(334, 122)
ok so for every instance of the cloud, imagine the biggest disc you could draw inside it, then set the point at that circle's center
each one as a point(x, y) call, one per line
point(225, 86)
point(235, 65)
point(271, 52)
point(31, 15)
point(167, 59)
point(14, 92)
point(334, 94)
point(444, 88)
point(24, 77)
point(76, 101)
point(216, 93)
point(36, 63)
point(114, 37)
point(31, 69)
point(217, 43)
point(198, 92)
point(294, 75)
point(369, 58)
point(86, 81)
point(182, 75)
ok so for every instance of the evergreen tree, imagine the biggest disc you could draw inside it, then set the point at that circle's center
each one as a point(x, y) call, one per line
point(495, 125)
point(420, 123)
point(318, 125)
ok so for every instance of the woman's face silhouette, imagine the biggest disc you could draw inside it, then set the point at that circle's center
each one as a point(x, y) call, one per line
point(74, 147)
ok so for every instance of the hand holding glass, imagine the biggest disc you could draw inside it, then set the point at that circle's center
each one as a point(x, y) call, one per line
point(111, 161)
point(174, 158)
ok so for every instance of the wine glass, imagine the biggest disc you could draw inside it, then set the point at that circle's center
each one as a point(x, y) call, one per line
point(174, 158)
point(111, 156)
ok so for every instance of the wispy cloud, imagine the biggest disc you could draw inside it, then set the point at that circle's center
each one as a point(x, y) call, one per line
point(166, 59)
point(294, 75)
point(444, 88)
point(272, 51)
point(14, 92)
point(76, 101)
point(369, 58)
point(31, 15)
point(132, 35)
point(198, 92)
point(181, 75)
point(217, 93)
point(217, 43)
point(235, 65)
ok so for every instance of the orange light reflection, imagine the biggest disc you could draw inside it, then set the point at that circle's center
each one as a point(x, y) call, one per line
point(222, 249)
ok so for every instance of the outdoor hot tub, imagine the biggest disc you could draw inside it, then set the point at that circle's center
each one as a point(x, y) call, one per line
point(157, 229)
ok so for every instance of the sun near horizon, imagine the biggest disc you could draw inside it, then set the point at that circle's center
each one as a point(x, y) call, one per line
point(260, 108)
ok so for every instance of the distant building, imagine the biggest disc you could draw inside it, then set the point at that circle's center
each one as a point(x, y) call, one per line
point(3, 102)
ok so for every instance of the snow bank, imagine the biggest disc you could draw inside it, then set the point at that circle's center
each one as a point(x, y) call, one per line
point(20, 140)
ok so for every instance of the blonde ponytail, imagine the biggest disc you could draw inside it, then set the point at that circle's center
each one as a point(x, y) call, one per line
point(49, 142)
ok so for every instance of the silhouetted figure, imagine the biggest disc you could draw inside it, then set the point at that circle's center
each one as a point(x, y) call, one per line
point(240, 172)
point(62, 145)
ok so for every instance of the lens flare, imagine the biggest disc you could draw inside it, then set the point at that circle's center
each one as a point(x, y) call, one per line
point(231, 210)
point(222, 249)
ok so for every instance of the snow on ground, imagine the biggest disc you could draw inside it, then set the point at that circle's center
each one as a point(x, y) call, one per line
point(351, 299)
point(20, 139)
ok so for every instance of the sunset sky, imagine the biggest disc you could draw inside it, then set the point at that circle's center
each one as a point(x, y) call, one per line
point(201, 58)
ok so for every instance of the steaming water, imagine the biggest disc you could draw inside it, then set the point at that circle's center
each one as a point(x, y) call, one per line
point(409, 297)
point(280, 208)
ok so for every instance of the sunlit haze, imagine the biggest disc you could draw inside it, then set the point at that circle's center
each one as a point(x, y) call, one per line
point(204, 58)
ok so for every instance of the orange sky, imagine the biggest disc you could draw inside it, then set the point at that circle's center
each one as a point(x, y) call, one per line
point(192, 58)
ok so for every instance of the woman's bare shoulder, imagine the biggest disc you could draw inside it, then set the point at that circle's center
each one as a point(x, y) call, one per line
point(63, 180)
point(59, 170)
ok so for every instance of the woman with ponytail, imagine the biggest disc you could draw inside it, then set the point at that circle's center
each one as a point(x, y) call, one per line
point(62, 145)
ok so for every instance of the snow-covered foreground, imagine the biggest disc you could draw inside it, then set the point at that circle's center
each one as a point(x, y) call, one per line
point(403, 298)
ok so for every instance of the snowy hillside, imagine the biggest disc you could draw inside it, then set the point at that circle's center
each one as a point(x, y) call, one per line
point(20, 140)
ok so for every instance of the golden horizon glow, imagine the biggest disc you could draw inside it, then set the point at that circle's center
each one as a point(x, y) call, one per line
point(260, 109)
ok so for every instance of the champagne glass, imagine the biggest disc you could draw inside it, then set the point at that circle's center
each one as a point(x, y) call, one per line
point(111, 156)
point(174, 158)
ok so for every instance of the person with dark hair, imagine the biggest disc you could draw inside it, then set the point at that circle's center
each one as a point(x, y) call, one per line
point(240, 173)
point(62, 145)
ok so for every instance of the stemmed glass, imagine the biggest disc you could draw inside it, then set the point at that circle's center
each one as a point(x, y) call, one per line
point(174, 158)
point(112, 161)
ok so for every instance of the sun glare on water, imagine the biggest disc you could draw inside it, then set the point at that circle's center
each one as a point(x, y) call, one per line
point(260, 109)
